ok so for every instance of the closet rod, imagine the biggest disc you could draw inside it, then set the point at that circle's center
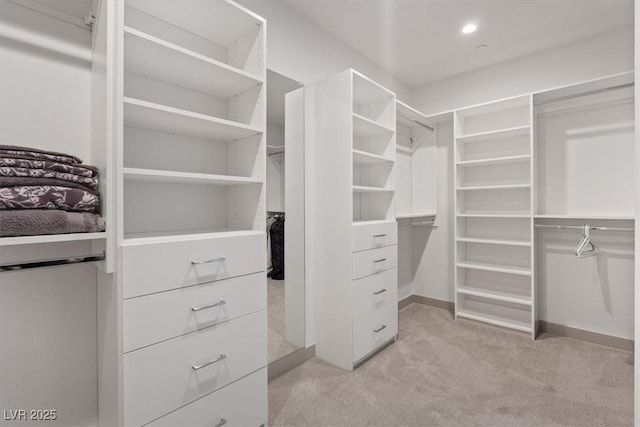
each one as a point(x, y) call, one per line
point(590, 92)
point(52, 262)
point(419, 123)
point(581, 227)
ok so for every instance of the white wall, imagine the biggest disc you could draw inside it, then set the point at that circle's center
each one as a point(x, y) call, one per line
point(47, 316)
point(275, 169)
point(637, 234)
point(591, 58)
point(296, 48)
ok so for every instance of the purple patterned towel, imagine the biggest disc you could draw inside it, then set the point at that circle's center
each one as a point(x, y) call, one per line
point(86, 171)
point(36, 153)
point(20, 181)
point(91, 183)
point(48, 197)
point(34, 222)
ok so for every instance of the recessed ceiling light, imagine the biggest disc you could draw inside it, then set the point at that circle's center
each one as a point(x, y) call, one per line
point(469, 28)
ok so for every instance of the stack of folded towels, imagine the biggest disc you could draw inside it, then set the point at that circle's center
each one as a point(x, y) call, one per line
point(44, 192)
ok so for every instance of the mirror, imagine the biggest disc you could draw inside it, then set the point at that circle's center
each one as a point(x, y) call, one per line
point(285, 217)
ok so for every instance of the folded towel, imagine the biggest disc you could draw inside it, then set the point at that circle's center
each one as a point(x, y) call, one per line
point(39, 154)
point(33, 222)
point(86, 171)
point(21, 181)
point(91, 183)
point(48, 197)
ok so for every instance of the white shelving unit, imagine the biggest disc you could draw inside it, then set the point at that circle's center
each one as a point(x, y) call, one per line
point(494, 243)
point(351, 139)
point(179, 91)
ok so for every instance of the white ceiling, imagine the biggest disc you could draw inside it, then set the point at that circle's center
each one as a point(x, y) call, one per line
point(419, 41)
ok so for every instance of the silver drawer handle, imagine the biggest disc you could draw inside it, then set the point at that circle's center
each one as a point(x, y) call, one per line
point(379, 235)
point(379, 260)
point(380, 328)
point(222, 422)
point(208, 261)
point(211, 362)
point(204, 307)
point(380, 291)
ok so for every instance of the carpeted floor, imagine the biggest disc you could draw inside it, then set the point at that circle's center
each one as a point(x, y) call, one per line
point(278, 344)
point(446, 373)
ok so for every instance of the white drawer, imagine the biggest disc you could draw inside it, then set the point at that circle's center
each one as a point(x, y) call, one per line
point(156, 267)
point(371, 236)
point(372, 331)
point(374, 261)
point(161, 378)
point(153, 318)
point(374, 292)
point(241, 404)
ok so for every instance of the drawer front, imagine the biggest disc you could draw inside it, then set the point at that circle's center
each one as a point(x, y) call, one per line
point(153, 318)
point(371, 236)
point(374, 261)
point(241, 404)
point(161, 378)
point(156, 267)
point(374, 292)
point(372, 331)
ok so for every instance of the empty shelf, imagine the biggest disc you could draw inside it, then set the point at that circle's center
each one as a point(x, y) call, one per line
point(158, 59)
point(495, 295)
point(366, 91)
point(494, 215)
point(494, 187)
point(495, 134)
point(415, 215)
point(364, 189)
point(363, 127)
point(133, 239)
point(494, 320)
point(522, 271)
point(586, 216)
point(494, 241)
point(50, 238)
point(162, 176)
point(364, 158)
point(148, 115)
point(495, 160)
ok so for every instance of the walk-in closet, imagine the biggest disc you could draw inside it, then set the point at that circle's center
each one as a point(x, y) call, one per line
point(319, 213)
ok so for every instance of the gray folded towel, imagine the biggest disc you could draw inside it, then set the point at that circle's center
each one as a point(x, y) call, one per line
point(34, 222)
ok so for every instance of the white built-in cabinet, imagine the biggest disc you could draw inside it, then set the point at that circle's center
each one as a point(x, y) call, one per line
point(179, 91)
point(350, 135)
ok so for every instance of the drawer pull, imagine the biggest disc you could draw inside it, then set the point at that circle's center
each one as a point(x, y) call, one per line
point(380, 328)
point(222, 422)
point(379, 235)
point(380, 291)
point(204, 307)
point(379, 260)
point(211, 362)
point(208, 261)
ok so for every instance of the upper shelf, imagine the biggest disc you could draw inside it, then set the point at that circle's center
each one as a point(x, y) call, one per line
point(366, 91)
point(495, 134)
point(363, 127)
point(148, 115)
point(158, 59)
point(50, 238)
point(364, 189)
point(410, 116)
point(364, 158)
point(494, 187)
point(162, 176)
point(585, 216)
point(495, 160)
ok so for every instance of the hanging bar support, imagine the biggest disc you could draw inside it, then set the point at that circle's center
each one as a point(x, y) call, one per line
point(52, 262)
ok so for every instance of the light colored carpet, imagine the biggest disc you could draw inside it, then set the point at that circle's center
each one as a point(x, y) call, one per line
point(278, 344)
point(446, 373)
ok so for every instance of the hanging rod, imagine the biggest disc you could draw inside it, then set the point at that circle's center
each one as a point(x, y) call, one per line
point(419, 123)
point(52, 262)
point(587, 93)
point(581, 227)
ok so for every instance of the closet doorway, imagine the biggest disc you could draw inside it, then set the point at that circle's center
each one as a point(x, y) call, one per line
point(285, 216)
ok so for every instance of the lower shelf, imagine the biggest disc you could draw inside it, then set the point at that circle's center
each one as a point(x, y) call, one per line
point(494, 320)
point(523, 271)
point(495, 295)
point(132, 239)
point(50, 238)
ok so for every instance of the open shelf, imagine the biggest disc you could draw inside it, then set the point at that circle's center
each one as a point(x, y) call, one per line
point(522, 271)
point(164, 61)
point(495, 134)
point(494, 320)
point(503, 242)
point(162, 176)
point(415, 215)
point(364, 189)
point(133, 239)
point(363, 127)
point(495, 160)
point(363, 158)
point(494, 215)
point(586, 216)
point(50, 238)
point(494, 187)
point(149, 115)
point(494, 295)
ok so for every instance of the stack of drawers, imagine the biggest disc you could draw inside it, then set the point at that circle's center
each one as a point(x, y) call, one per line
point(194, 332)
point(375, 286)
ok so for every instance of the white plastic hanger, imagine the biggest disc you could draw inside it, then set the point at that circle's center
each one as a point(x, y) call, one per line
point(585, 248)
